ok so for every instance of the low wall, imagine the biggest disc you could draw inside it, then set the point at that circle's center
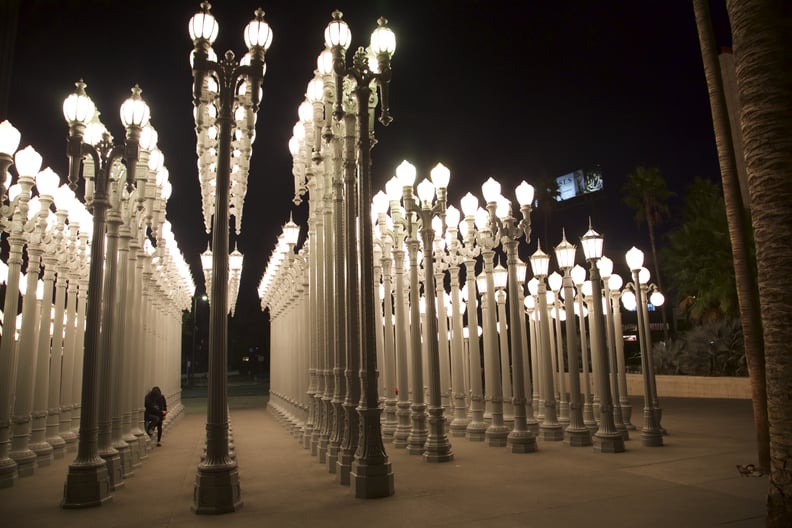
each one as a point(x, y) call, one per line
point(693, 386)
point(688, 386)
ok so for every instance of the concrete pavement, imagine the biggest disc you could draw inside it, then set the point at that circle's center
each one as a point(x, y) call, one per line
point(690, 482)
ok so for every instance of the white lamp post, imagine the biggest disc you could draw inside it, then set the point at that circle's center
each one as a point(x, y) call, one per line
point(578, 274)
point(27, 162)
point(607, 439)
point(89, 481)
point(549, 428)
point(476, 427)
point(555, 281)
point(400, 225)
point(215, 85)
point(615, 283)
point(34, 228)
point(371, 475)
point(605, 266)
point(576, 433)
point(459, 423)
point(651, 434)
point(521, 439)
point(436, 448)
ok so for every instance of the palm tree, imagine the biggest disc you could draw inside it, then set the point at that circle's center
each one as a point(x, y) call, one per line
point(762, 48)
point(739, 233)
point(647, 194)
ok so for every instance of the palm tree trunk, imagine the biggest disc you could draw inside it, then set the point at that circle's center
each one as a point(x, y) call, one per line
point(762, 47)
point(747, 290)
point(650, 224)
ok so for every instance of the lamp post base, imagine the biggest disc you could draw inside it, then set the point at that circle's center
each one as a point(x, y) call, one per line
point(521, 442)
point(8, 473)
point(216, 489)
point(608, 443)
point(551, 432)
point(87, 485)
point(476, 431)
point(577, 437)
point(651, 438)
point(371, 482)
point(496, 435)
point(114, 468)
point(25, 460)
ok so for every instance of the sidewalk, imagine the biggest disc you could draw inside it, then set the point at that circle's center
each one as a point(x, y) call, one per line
point(690, 482)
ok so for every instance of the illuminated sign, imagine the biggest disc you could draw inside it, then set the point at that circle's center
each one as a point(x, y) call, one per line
point(578, 182)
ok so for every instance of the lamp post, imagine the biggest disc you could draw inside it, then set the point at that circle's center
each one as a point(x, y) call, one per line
point(550, 429)
point(437, 447)
point(191, 364)
point(651, 433)
point(380, 205)
point(88, 482)
point(576, 433)
point(615, 283)
point(555, 282)
point(476, 427)
point(459, 423)
point(578, 274)
point(605, 266)
point(45, 446)
point(520, 439)
point(217, 480)
point(371, 473)
point(607, 439)
point(399, 233)
point(497, 432)
point(14, 216)
point(33, 228)
point(501, 278)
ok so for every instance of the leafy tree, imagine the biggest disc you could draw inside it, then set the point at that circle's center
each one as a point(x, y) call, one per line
point(697, 258)
point(647, 194)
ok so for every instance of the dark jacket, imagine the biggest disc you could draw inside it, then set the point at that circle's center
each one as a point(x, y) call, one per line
point(155, 402)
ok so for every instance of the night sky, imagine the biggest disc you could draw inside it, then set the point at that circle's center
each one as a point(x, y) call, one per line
point(510, 89)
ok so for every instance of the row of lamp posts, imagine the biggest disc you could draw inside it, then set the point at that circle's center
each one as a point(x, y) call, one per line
point(106, 293)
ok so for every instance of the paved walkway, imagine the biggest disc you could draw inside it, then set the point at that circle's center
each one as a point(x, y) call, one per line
point(690, 482)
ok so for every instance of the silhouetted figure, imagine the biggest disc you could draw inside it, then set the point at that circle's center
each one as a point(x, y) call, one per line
point(156, 409)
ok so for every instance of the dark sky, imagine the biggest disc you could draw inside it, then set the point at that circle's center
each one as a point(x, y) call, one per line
point(510, 89)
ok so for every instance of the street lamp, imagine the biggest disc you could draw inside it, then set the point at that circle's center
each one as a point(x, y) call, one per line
point(437, 447)
point(476, 427)
point(578, 274)
point(371, 473)
point(607, 439)
point(550, 428)
point(89, 478)
point(216, 89)
point(13, 218)
point(520, 439)
point(605, 267)
point(576, 433)
point(191, 365)
point(651, 433)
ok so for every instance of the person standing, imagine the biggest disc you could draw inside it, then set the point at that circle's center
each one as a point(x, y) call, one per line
point(156, 409)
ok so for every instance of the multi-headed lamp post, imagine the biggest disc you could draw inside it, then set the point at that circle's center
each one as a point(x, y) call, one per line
point(437, 447)
point(219, 85)
point(371, 473)
point(520, 439)
point(607, 439)
point(576, 433)
point(88, 482)
point(651, 433)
